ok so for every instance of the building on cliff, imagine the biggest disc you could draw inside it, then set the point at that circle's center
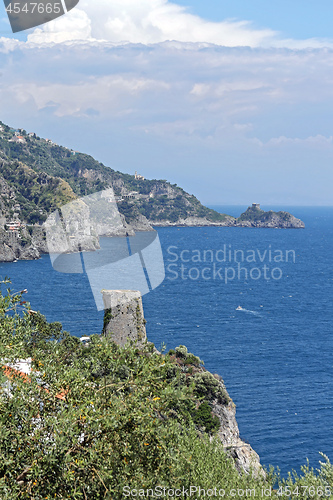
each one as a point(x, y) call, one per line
point(138, 177)
point(124, 321)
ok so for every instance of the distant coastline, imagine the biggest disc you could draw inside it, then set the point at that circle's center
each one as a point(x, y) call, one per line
point(38, 177)
point(253, 217)
point(28, 243)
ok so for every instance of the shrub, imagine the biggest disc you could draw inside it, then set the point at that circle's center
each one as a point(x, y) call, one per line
point(193, 360)
point(121, 420)
point(208, 387)
point(181, 351)
point(203, 417)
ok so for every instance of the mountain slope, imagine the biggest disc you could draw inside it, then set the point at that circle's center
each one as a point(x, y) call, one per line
point(155, 200)
point(38, 176)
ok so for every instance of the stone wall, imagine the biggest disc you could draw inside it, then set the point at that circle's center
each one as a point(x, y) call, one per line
point(123, 317)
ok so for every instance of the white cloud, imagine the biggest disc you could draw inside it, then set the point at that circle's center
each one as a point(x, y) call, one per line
point(157, 21)
point(318, 141)
point(170, 108)
point(208, 90)
point(219, 90)
point(74, 26)
point(106, 95)
point(8, 44)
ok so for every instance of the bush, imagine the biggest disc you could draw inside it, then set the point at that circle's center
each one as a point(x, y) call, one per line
point(203, 417)
point(193, 360)
point(181, 351)
point(92, 420)
point(206, 386)
point(122, 419)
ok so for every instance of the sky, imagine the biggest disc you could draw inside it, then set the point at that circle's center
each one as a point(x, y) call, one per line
point(230, 100)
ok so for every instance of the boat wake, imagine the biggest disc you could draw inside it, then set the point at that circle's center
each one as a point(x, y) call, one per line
point(240, 308)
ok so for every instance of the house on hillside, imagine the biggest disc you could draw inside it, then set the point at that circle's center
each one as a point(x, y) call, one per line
point(138, 177)
point(131, 196)
point(17, 138)
point(14, 225)
point(22, 368)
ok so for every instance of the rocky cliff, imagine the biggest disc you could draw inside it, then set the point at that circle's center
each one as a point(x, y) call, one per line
point(21, 244)
point(255, 217)
point(124, 321)
point(246, 459)
point(275, 220)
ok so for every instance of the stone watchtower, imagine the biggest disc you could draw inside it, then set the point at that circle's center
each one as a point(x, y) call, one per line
point(256, 205)
point(123, 317)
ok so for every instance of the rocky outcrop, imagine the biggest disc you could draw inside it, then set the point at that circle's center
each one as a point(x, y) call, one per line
point(7, 253)
point(141, 223)
point(17, 245)
point(163, 189)
point(255, 217)
point(246, 459)
point(273, 220)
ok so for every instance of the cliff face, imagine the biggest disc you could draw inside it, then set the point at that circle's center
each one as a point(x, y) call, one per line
point(246, 459)
point(21, 245)
point(124, 321)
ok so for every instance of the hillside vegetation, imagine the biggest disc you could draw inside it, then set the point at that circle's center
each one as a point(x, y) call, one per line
point(253, 214)
point(61, 174)
point(99, 421)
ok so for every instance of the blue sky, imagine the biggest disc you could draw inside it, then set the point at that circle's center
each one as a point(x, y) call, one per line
point(296, 18)
point(230, 100)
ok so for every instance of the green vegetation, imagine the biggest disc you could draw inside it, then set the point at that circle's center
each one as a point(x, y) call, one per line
point(257, 215)
point(208, 387)
point(188, 358)
point(181, 206)
point(92, 420)
point(36, 193)
point(107, 318)
point(44, 176)
point(204, 418)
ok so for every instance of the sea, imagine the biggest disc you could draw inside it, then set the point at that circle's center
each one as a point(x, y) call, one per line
point(254, 304)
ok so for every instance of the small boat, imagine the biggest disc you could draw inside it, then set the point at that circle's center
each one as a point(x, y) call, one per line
point(239, 308)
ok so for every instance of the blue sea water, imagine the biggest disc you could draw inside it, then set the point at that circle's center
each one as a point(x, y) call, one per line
point(275, 354)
